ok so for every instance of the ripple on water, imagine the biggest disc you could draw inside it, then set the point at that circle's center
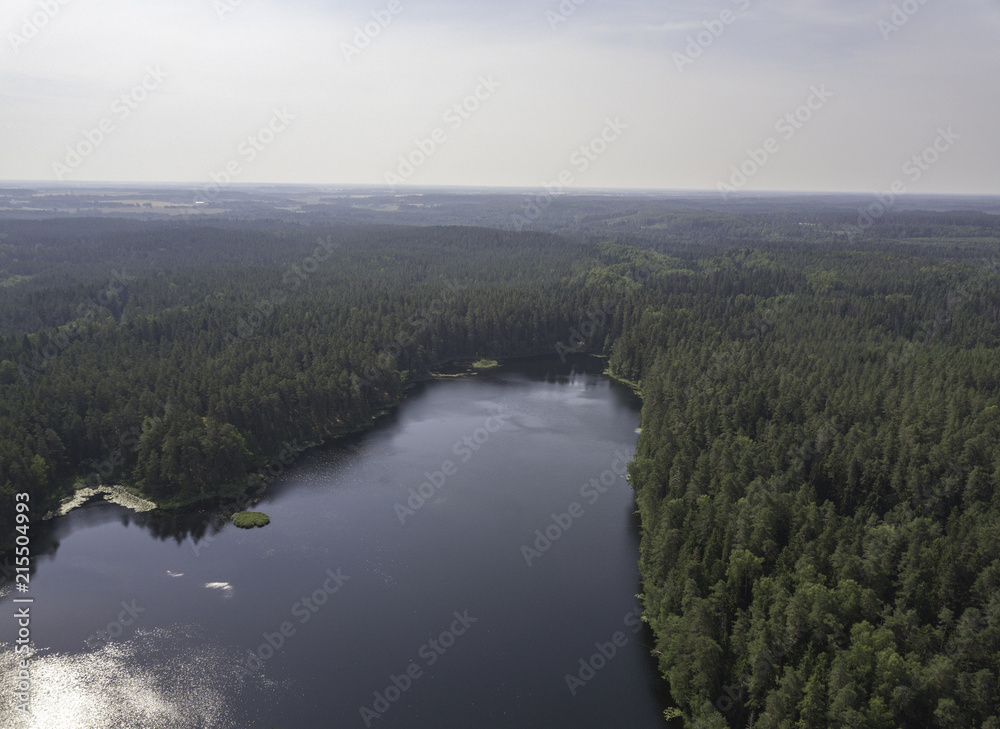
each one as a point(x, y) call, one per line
point(142, 683)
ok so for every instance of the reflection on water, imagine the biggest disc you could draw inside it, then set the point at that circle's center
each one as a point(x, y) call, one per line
point(143, 683)
point(564, 427)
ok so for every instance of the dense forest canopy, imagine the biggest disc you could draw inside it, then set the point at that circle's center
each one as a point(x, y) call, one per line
point(820, 450)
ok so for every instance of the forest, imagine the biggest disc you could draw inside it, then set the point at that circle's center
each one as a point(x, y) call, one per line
point(818, 463)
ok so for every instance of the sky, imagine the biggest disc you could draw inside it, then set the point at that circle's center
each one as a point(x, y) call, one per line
point(734, 95)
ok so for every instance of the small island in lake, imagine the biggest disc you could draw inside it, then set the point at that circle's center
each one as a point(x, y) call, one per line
point(251, 519)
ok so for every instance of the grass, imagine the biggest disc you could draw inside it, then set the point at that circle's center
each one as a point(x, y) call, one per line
point(251, 519)
point(485, 364)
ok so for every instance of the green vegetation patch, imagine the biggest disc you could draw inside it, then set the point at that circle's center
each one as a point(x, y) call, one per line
point(485, 364)
point(14, 281)
point(251, 519)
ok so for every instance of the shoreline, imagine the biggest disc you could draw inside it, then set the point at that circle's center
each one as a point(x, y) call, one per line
point(121, 495)
point(114, 493)
point(635, 387)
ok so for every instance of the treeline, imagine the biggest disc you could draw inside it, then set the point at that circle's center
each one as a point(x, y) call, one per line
point(204, 354)
point(817, 479)
point(820, 450)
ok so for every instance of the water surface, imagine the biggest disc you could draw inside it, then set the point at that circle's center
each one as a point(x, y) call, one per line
point(387, 609)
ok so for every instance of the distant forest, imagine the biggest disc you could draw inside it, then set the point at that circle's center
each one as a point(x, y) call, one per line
point(820, 451)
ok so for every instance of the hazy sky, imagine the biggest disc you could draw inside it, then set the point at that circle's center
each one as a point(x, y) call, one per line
point(678, 102)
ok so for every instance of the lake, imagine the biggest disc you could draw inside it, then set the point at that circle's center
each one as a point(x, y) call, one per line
point(469, 562)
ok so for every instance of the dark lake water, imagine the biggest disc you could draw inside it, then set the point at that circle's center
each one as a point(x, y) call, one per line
point(362, 604)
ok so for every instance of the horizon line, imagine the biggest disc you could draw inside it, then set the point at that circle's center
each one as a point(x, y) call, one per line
point(401, 191)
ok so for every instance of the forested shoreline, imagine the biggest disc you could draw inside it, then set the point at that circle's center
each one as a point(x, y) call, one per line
point(820, 450)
